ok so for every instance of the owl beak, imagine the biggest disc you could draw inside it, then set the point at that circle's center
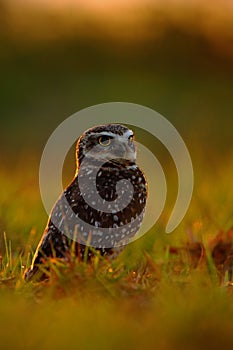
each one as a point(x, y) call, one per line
point(126, 152)
point(130, 154)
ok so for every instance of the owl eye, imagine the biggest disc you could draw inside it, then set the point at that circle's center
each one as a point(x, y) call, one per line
point(131, 138)
point(104, 140)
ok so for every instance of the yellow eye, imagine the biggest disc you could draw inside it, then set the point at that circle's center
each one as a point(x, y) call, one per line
point(131, 138)
point(104, 140)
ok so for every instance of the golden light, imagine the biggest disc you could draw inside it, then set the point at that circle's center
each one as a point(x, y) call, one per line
point(120, 19)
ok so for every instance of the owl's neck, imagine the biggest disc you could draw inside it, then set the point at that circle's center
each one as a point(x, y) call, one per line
point(108, 164)
point(117, 162)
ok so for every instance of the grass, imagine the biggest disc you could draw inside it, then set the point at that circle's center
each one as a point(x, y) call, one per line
point(163, 291)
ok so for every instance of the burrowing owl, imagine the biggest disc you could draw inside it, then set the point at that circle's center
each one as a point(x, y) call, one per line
point(104, 205)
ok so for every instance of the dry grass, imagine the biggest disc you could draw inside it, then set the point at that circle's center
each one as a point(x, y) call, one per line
point(163, 291)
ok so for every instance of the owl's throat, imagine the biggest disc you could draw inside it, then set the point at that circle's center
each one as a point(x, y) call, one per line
point(117, 163)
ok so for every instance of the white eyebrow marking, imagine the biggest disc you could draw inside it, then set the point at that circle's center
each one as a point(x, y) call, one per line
point(128, 133)
point(105, 133)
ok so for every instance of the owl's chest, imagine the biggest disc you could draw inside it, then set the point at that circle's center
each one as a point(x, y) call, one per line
point(117, 188)
point(114, 201)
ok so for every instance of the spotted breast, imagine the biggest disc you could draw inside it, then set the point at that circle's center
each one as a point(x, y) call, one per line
point(104, 205)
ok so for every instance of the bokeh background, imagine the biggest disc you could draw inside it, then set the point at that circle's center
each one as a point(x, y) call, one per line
point(60, 56)
point(57, 57)
point(175, 56)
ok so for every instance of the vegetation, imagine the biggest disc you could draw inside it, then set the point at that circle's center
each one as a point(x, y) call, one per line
point(164, 291)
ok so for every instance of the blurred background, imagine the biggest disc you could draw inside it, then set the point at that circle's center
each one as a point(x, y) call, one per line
point(59, 56)
point(174, 56)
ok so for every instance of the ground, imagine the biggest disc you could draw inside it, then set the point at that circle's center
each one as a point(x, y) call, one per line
point(163, 291)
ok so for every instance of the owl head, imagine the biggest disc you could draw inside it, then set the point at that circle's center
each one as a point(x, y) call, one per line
point(106, 142)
